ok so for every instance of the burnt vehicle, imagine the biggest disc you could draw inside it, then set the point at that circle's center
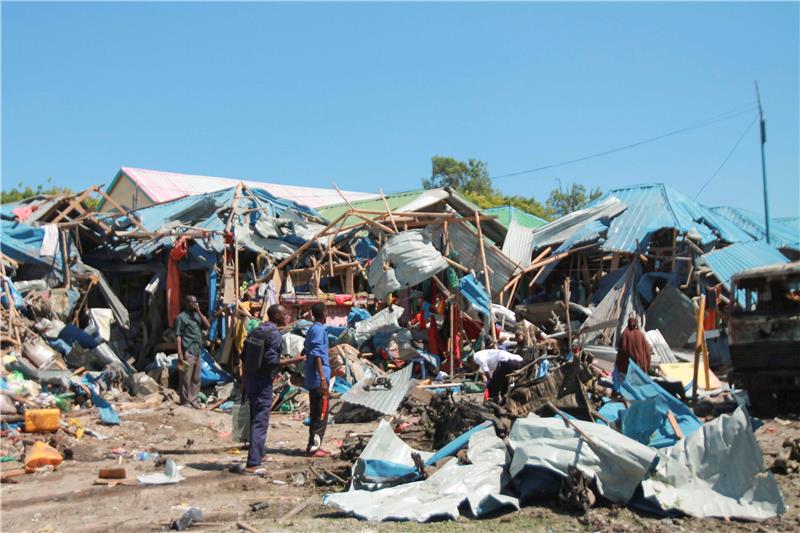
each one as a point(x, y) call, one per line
point(764, 330)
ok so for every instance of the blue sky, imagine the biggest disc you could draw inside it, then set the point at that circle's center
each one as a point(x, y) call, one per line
point(365, 94)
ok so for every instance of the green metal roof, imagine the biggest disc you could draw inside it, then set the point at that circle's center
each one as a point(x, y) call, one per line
point(506, 213)
point(395, 201)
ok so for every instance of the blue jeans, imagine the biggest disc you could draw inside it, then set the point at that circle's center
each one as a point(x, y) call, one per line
point(259, 394)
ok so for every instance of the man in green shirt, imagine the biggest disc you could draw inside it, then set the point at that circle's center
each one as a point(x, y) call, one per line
point(189, 326)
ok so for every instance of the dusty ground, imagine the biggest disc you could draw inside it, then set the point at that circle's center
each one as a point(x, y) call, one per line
point(66, 500)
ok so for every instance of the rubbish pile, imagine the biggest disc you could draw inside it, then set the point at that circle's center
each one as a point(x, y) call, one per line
point(495, 350)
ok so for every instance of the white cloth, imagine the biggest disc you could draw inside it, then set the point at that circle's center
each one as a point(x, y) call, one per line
point(50, 241)
point(488, 360)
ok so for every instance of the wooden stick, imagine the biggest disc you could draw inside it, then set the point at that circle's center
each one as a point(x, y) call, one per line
point(674, 423)
point(698, 345)
point(297, 509)
point(304, 247)
point(389, 211)
point(566, 307)
point(455, 265)
point(572, 425)
point(247, 527)
point(483, 256)
point(343, 197)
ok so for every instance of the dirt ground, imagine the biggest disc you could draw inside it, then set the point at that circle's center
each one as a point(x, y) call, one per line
point(66, 500)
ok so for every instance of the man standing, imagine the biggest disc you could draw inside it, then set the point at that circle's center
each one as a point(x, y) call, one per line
point(315, 379)
point(632, 345)
point(260, 357)
point(189, 326)
point(495, 366)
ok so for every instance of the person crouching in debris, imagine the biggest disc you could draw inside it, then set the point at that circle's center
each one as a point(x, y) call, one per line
point(260, 357)
point(632, 345)
point(189, 326)
point(495, 366)
point(315, 379)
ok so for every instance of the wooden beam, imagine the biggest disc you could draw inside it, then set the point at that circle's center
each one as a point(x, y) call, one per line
point(388, 211)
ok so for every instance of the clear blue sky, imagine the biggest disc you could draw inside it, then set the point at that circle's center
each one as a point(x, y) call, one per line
point(365, 94)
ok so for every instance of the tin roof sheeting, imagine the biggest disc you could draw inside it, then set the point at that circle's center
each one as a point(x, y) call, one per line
point(164, 186)
point(561, 230)
point(657, 206)
point(465, 243)
point(742, 256)
point(508, 213)
point(518, 244)
point(384, 401)
point(784, 233)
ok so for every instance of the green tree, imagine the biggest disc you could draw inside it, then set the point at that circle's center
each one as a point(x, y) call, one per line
point(469, 177)
point(562, 202)
point(21, 192)
point(472, 180)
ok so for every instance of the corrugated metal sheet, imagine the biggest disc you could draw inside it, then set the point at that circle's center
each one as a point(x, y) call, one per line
point(164, 186)
point(465, 243)
point(384, 401)
point(661, 350)
point(737, 257)
point(673, 315)
point(518, 245)
point(656, 206)
point(506, 213)
point(784, 233)
point(565, 227)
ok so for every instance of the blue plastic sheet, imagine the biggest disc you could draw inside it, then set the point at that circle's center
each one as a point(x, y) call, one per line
point(638, 387)
point(356, 315)
point(474, 292)
point(15, 295)
point(107, 414)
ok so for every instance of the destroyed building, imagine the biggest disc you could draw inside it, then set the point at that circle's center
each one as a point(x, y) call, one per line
point(416, 285)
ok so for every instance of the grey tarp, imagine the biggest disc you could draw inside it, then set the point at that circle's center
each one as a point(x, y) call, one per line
point(717, 471)
point(545, 446)
point(610, 316)
point(384, 401)
point(117, 307)
point(479, 485)
point(384, 321)
point(407, 259)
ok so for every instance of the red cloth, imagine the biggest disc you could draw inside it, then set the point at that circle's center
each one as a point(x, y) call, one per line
point(177, 253)
point(633, 344)
point(434, 343)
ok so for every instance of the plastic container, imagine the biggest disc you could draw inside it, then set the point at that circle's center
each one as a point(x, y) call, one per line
point(42, 420)
point(41, 454)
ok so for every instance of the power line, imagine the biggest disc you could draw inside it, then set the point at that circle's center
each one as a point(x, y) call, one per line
point(735, 112)
point(727, 157)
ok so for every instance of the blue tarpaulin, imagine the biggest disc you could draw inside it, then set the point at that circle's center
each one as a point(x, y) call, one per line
point(475, 294)
point(639, 388)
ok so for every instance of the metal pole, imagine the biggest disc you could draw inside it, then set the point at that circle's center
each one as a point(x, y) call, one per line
point(763, 161)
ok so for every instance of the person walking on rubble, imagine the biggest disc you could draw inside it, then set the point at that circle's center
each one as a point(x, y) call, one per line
point(261, 356)
point(632, 345)
point(495, 366)
point(315, 379)
point(189, 326)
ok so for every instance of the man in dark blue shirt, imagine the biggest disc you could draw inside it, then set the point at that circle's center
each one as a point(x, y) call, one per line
point(261, 357)
point(315, 379)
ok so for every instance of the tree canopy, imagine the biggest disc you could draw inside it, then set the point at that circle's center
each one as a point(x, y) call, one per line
point(562, 202)
point(471, 178)
point(20, 192)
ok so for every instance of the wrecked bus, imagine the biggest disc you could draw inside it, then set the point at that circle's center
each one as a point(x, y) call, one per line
point(764, 331)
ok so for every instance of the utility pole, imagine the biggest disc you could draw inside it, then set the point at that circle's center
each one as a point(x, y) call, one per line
point(763, 160)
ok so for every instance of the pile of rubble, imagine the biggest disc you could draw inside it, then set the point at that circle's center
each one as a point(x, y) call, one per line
point(412, 295)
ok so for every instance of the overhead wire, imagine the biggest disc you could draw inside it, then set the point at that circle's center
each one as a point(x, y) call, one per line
point(727, 157)
point(735, 112)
